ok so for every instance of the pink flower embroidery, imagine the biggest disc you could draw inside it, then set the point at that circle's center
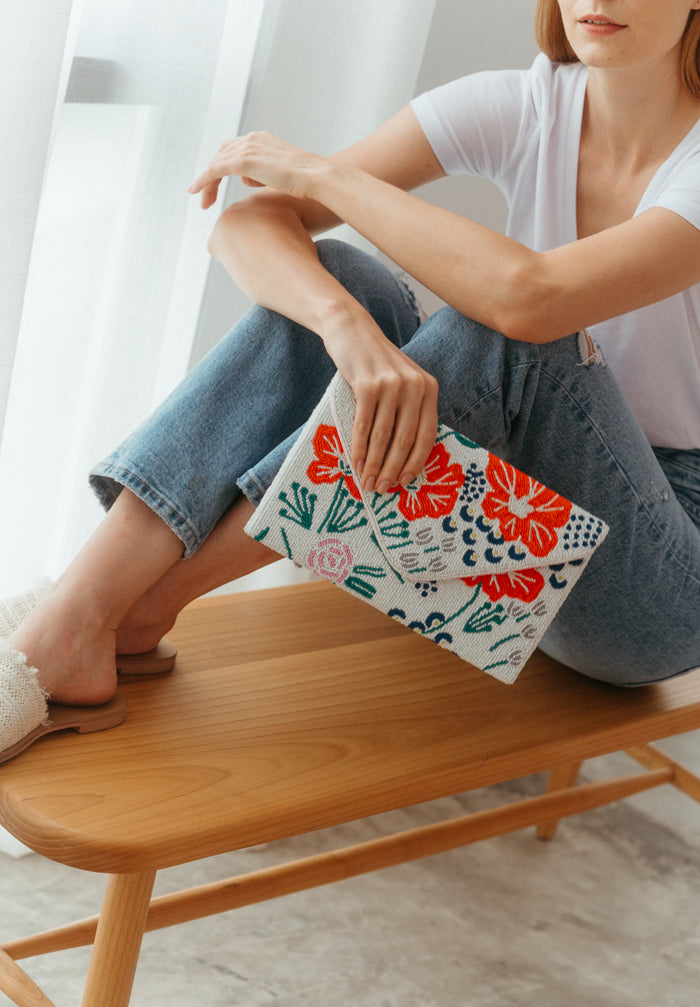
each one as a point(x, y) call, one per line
point(330, 464)
point(524, 508)
point(331, 559)
point(434, 492)
point(525, 585)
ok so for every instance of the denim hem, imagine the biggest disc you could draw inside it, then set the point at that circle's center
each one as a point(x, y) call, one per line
point(127, 479)
point(252, 487)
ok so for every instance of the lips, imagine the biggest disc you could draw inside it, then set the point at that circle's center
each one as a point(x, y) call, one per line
point(600, 21)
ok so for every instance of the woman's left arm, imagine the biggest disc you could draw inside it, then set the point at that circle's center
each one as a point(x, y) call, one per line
point(530, 296)
point(527, 295)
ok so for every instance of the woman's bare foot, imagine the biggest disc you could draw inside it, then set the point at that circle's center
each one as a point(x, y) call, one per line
point(123, 593)
point(226, 554)
point(146, 623)
point(71, 648)
point(70, 636)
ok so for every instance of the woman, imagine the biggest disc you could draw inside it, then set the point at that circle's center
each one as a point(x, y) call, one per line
point(598, 150)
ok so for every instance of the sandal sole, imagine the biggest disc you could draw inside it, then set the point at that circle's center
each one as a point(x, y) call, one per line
point(154, 662)
point(83, 719)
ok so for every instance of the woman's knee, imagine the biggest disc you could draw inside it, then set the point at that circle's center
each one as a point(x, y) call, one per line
point(390, 302)
point(482, 376)
point(350, 265)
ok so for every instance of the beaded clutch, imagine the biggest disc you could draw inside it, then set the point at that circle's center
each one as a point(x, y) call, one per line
point(473, 554)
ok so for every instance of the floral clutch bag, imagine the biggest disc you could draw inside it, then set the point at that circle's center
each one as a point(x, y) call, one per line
point(473, 554)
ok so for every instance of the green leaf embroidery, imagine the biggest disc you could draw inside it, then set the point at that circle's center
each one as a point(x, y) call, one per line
point(391, 525)
point(485, 618)
point(360, 586)
point(455, 615)
point(344, 513)
point(506, 639)
point(286, 544)
point(302, 509)
point(460, 438)
point(370, 571)
point(373, 539)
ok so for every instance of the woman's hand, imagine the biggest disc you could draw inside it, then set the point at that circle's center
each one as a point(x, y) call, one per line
point(396, 415)
point(260, 159)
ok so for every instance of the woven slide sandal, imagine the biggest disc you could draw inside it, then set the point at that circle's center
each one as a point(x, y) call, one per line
point(25, 715)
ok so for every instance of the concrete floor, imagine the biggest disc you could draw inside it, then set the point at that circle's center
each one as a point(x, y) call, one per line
point(606, 915)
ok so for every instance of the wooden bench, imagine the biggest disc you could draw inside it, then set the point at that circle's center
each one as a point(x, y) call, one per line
point(292, 710)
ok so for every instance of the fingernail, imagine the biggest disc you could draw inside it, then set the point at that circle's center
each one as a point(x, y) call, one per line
point(384, 486)
point(359, 467)
point(369, 485)
point(405, 479)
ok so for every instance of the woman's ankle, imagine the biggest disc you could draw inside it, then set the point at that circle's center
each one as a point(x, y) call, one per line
point(147, 622)
point(74, 657)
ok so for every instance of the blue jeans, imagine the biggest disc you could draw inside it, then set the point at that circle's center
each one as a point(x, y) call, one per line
point(552, 410)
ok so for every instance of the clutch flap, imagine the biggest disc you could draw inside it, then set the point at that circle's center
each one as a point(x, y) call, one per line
point(468, 513)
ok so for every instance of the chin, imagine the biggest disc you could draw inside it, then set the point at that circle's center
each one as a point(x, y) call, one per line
point(605, 56)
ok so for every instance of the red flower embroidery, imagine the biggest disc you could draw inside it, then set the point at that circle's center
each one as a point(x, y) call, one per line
point(525, 585)
point(524, 508)
point(434, 492)
point(330, 464)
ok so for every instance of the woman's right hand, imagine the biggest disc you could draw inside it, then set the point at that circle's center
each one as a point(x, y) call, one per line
point(396, 416)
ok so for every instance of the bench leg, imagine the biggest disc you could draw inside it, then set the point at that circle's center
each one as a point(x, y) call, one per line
point(559, 778)
point(683, 779)
point(18, 986)
point(118, 940)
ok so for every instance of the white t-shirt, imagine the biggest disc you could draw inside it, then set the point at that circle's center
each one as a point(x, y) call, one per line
point(521, 129)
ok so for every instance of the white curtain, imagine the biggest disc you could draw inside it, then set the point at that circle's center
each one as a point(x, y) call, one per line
point(33, 40)
point(111, 108)
point(334, 71)
point(113, 111)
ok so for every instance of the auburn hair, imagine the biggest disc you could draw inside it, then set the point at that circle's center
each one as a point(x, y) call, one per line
point(552, 40)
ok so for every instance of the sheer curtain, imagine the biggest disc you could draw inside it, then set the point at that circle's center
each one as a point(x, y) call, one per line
point(329, 71)
point(107, 295)
point(111, 107)
point(133, 96)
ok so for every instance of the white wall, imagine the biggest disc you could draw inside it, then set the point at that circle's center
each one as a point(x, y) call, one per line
point(467, 36)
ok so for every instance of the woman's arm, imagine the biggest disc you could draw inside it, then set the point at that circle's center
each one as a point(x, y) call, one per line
point(265, 243)
point(248, 231)
point(527, 295)
point(531, 296)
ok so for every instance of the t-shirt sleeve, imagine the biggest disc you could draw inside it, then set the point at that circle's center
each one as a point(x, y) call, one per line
point(476, 125)
point(682, 191)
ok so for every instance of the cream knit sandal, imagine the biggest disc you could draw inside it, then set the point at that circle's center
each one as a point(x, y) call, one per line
point(25, 715)
point(23, 706)
point(13, 610)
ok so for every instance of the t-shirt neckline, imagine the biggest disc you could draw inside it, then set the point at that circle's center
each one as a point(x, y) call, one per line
point(574, 146)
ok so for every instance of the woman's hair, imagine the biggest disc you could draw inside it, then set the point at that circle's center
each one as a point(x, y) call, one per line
point(552, 40)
